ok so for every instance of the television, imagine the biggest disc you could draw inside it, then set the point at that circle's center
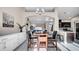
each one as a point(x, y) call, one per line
point(66, 24)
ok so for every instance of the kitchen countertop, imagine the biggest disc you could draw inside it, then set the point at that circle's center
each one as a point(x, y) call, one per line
point(65, 31)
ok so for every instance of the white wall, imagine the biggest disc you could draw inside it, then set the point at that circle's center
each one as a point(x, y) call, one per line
point(50, 14)
point(73, 23)
point(17, 13)
point(19, 17)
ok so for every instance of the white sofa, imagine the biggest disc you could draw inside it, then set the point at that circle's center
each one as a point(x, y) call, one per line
point(12, 41)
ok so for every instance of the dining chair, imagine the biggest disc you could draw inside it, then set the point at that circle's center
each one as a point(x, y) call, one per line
point(52, 42)
point(31, 39)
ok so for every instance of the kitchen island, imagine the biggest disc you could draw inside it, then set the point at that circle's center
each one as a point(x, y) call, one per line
point(68, 36)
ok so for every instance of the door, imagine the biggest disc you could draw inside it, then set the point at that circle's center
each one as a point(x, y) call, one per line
point(77, 31)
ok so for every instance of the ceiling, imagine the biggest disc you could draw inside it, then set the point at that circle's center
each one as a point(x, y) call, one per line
point(63, 12)
point(67, 12)
point(33, 9)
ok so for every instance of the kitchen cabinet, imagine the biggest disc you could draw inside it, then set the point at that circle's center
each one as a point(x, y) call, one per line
point(11, 42)
point(68, 36)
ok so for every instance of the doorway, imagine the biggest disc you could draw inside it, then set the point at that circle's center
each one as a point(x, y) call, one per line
point(77, 31)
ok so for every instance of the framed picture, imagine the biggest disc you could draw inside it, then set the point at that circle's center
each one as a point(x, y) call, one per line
point(8, 20)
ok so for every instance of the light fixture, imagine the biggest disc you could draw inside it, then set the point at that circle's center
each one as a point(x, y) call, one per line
point(40, 11)
point(37, 10)
point(43, 11)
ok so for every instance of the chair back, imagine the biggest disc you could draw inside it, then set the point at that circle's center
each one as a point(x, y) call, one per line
point(29, 34)
point(54, 34)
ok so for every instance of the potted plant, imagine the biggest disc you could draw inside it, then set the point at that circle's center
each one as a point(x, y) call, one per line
point(21, 26)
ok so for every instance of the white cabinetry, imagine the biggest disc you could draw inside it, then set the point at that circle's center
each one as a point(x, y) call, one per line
point(10, 42)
